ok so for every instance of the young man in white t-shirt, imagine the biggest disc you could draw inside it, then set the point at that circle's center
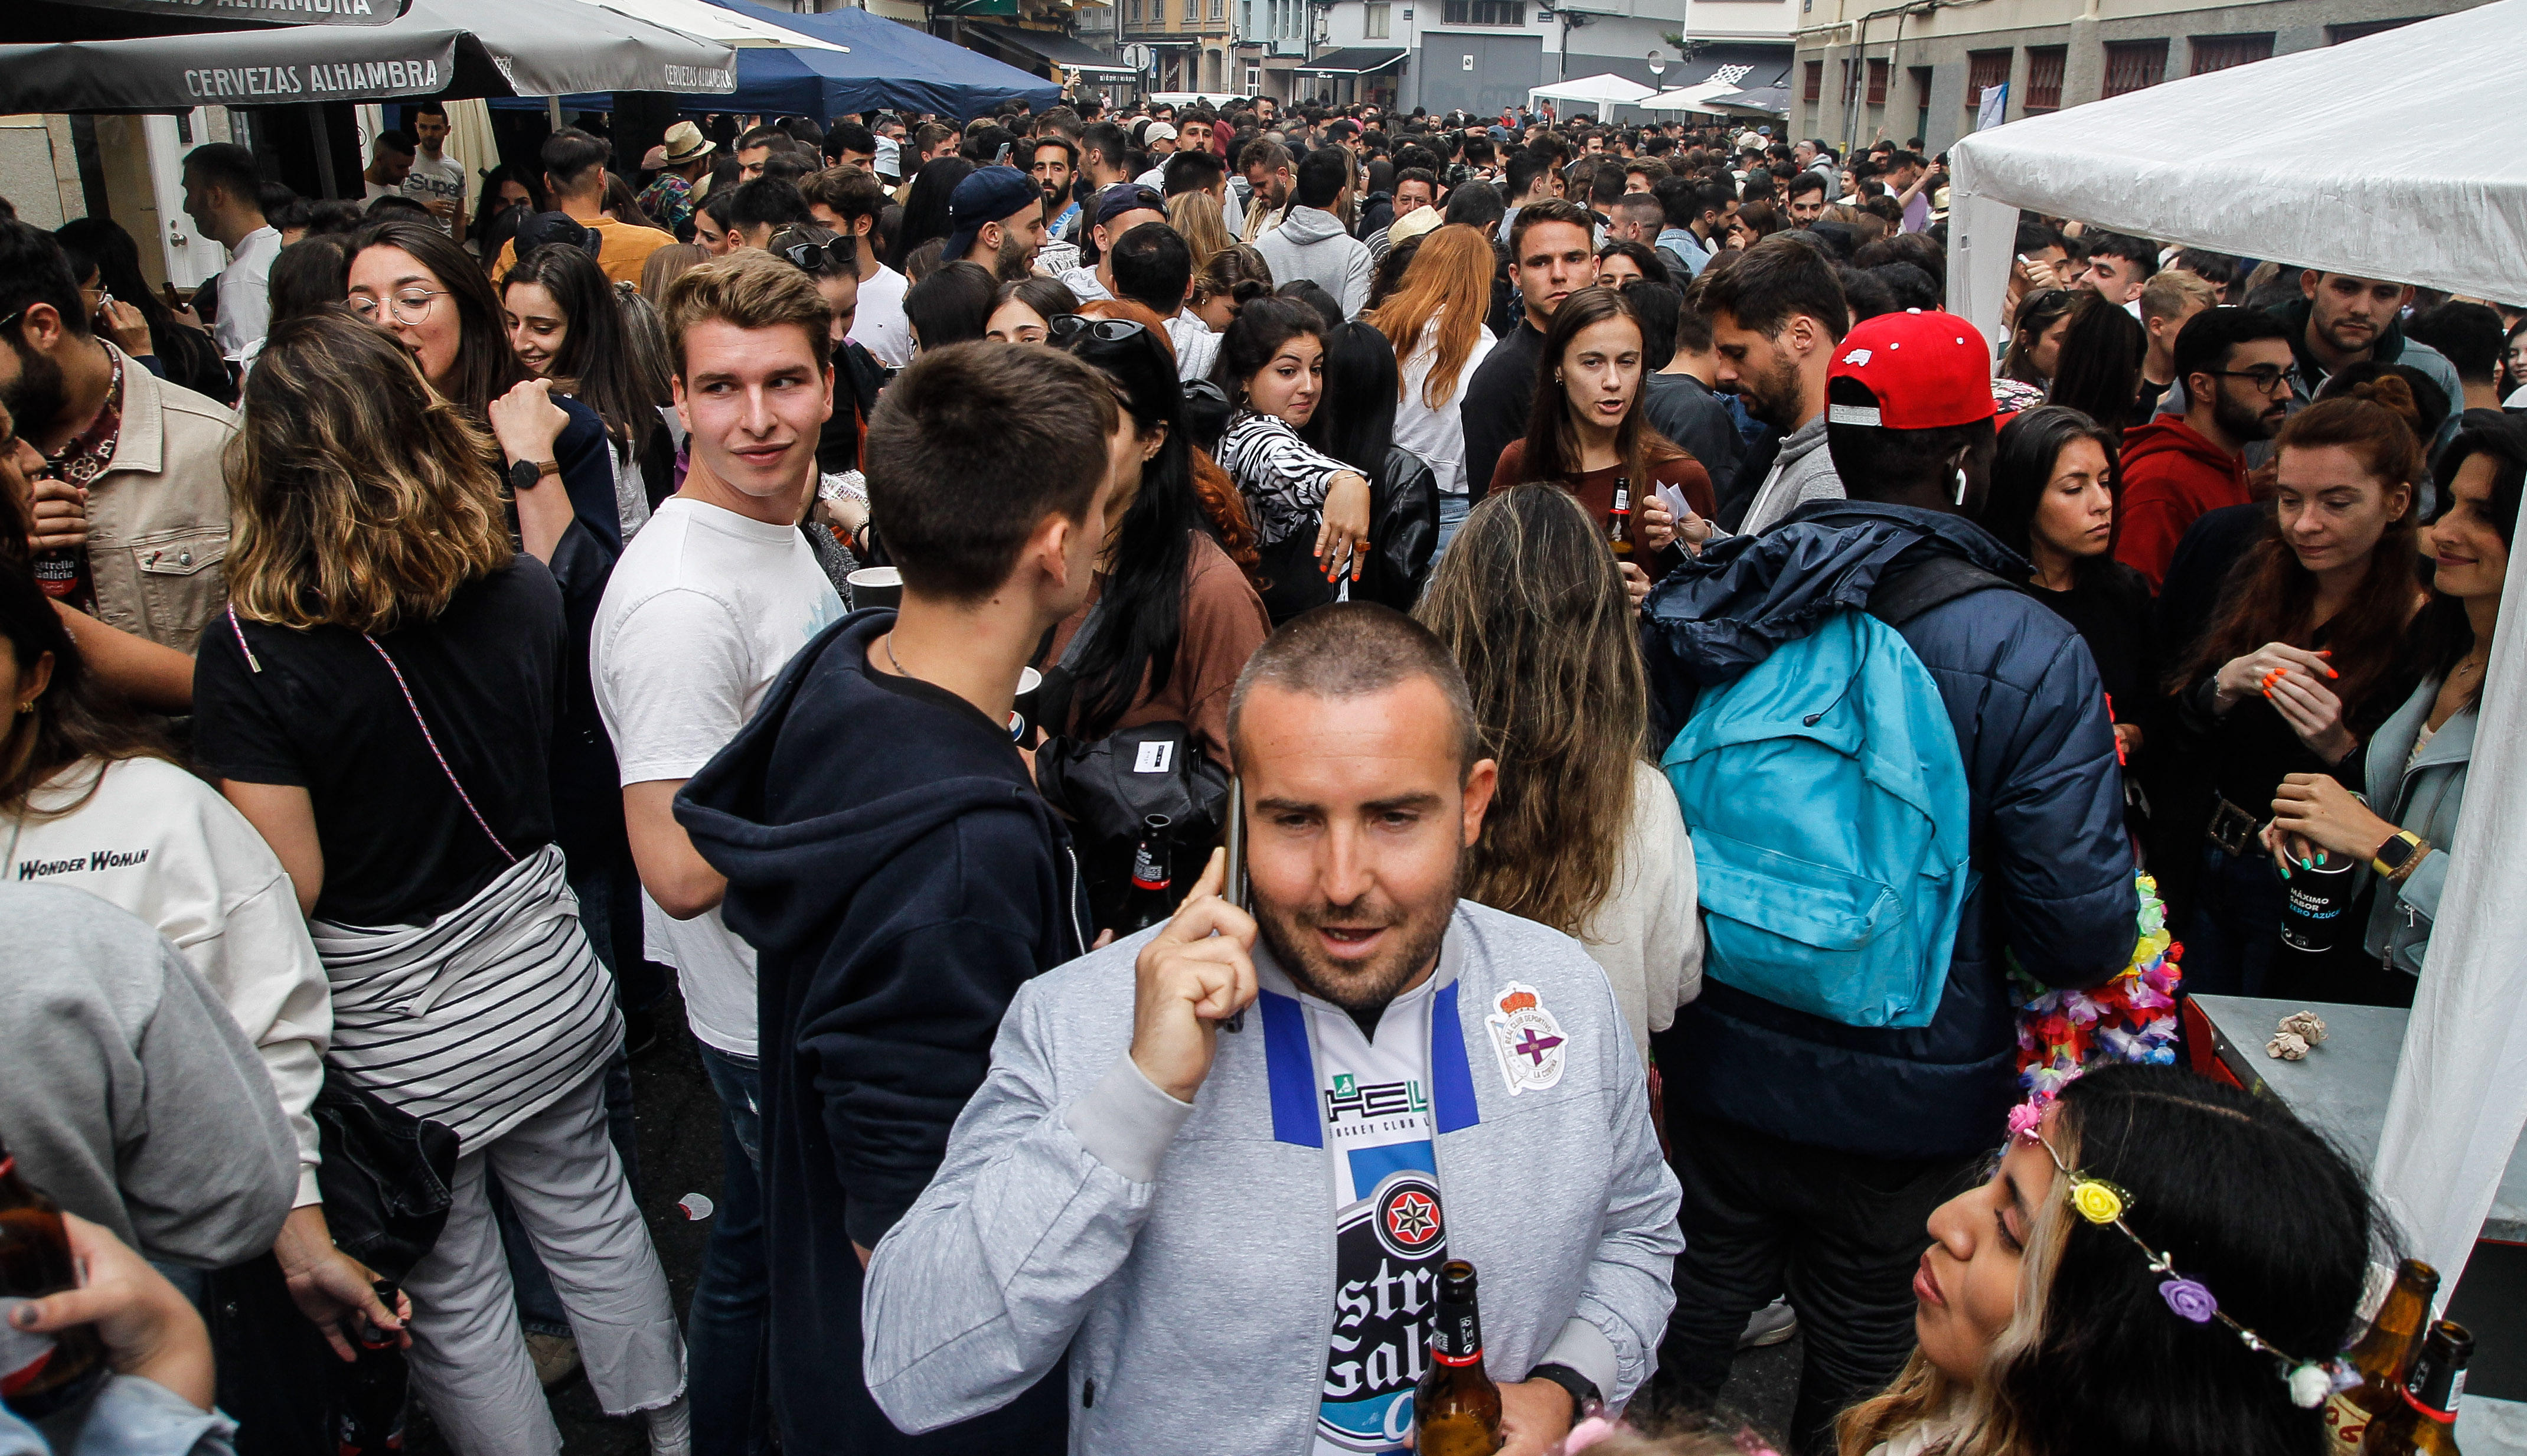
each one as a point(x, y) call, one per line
point(704, 609)
point(437, 180)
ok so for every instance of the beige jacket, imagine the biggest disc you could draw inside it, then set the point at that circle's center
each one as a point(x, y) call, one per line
point(158, 517)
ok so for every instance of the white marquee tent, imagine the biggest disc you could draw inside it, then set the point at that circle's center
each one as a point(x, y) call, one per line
point(715, 23)
point(2401, 156)
point(1600, 92)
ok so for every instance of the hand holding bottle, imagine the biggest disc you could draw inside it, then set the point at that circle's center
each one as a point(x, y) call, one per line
point(149, 1329)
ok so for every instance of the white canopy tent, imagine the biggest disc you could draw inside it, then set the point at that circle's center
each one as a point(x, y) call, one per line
point(710, 22)
point(1696, 97)
point(2423, 179)
point(1601, 91)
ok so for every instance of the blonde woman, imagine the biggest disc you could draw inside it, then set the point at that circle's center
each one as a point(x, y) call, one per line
point(1195, 217)
point(379, 702)
point(1435, 321)
point(1583, 833)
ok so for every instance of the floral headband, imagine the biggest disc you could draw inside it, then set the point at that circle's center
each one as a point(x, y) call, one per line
point(2103, 1204)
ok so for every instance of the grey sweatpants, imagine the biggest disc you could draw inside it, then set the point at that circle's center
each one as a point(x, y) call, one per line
point(469, 1359)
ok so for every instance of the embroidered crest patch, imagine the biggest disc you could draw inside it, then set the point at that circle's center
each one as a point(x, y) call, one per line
point(1526, 1038)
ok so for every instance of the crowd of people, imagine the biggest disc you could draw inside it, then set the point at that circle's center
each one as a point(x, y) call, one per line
point(1675, 695)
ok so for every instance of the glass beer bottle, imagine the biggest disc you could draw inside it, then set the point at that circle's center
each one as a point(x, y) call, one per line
point(40, 1374)
point(1456, 1407)
point(1618, 521)
point(1151, 901)
point(2423, 1423)
point(2381, 1356)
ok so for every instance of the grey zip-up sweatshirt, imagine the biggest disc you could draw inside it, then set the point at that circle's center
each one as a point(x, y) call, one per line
point(1184, 1254)
point(131, 1098)
point(1802, 472)
point(1312, 244)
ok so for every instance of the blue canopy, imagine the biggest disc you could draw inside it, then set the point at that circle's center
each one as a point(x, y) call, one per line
point(890, 66)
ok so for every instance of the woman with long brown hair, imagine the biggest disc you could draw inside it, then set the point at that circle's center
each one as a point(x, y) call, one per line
point(1587, 434)
point(380, 703)
point(1584, 834)
point(1195, 217)
point(1435, 321)
point(2303, 660)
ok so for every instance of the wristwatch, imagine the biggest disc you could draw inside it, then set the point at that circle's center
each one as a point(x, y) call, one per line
point(1585, 1398)
point(2391, 854)
point(525, 475)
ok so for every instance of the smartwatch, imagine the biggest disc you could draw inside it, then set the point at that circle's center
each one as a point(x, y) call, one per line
point(2391, 854)
point(1585, 1398)
point(525, 475)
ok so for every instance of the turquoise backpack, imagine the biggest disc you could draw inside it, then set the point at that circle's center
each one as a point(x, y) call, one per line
point(1830, 815)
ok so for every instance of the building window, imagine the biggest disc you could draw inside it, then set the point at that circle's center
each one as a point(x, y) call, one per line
point(1373, 23)
point(1485, 12)
point(2220, 52)
point(1921, 77)
point(1193, 12)
point(1133, 15)
point(1246, 16)
point(1218, 9)
point(1877, 82)
point(1985, 69)
point(2337, 34)
point(2045, 65)
point(2135, 65)
point(1815, 82)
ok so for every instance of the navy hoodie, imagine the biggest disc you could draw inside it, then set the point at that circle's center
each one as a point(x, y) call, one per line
point(890, 861)
point(2056, 889)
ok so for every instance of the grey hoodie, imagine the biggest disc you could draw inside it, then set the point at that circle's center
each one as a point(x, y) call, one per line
point(132, 1097)
point(1184, 1254)
point(1312, 244)
point(1802, 472)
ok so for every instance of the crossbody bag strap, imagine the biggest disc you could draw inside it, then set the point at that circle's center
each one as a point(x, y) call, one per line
point(432, 739)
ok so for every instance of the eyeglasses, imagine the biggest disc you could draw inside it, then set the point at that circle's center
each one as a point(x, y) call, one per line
point(2268, 379)
point(410, 307)
point(834, 255)
point(1070, 325)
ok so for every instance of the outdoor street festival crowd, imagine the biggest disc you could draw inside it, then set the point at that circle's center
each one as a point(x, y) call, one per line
point(1198, 712)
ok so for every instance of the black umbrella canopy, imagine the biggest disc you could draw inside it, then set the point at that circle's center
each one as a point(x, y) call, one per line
point(445, 48)
point(44, 21)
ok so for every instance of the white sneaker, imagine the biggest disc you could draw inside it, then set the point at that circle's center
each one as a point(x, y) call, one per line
point(1770, 1325)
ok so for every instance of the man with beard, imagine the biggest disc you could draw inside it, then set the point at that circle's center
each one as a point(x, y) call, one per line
point(2341, 321)
point(129, 457)
point(996, 218)
point(1270, 177)
point(2235, 365)
point(1144, 1179)
point(1774, 320)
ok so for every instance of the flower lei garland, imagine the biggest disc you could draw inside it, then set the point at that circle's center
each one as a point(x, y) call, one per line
point(2103, 1204)
point(2133, 1018)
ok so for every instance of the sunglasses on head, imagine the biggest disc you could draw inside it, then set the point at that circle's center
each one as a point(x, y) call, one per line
point(835, 255)
point(1070, 325)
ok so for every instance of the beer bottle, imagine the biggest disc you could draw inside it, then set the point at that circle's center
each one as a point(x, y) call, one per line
point(1149, 902)
point(63, 573)
point(1456, 1407)
point(1618, 521)
point(2381, 1356)
point(370, 1421)
point(40, 1374)
point(2423, 1423)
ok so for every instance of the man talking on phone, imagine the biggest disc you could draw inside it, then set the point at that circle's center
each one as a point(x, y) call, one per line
point(1143, 1180)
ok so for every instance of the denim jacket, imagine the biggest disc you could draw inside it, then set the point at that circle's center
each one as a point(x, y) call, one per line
point(2424, 799)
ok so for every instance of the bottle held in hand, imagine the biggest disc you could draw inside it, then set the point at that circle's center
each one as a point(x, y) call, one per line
point(1152, 901)
point(40, 1374)
point(1456, 1408)
point(369, 1421)
point(1618, 521)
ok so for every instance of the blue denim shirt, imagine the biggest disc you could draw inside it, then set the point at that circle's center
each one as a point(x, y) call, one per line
point(1682, 242)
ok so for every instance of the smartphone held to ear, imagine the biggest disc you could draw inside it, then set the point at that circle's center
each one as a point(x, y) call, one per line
point(1234, 885)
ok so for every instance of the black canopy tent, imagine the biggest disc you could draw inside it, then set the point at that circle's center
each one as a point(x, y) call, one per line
point(47, 21)
point(443, 48)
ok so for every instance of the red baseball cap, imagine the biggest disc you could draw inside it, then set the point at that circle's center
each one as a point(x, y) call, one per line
point(1929, 369)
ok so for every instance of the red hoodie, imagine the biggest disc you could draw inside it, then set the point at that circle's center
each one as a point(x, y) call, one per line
point(2171, 475)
